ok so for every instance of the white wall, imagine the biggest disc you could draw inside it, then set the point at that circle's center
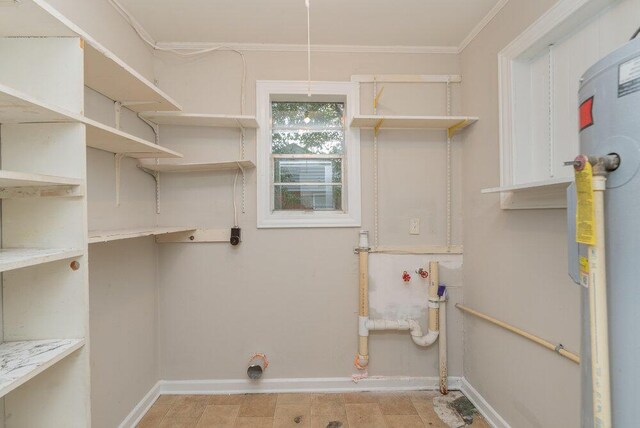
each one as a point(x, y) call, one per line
point(515, 261)
point(292, 293)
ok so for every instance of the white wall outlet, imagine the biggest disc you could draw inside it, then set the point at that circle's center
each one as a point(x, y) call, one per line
point(414, 226)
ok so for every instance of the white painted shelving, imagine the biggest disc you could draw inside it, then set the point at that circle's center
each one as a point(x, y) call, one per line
point(103, 70)
point(200, 167)
point(98, 236)
point(23, 179)
point(201, 119)
point(23, 360)
point(412, 122)
point(16, 258)
point(559, 183)
point(546, 194)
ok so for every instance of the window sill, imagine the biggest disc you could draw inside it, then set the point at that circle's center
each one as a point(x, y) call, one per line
point(307, 220)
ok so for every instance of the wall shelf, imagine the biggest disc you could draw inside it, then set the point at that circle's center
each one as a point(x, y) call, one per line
point(200, 167)
point(549, 193)
point(16, 258)
point(197, 119)
point(99, 236)
point(23, 179)
point(23, 360)
point(412, 122)
point(104, 71)
point(16, 107)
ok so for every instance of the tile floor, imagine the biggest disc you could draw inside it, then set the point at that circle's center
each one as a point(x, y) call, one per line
point(350, 410)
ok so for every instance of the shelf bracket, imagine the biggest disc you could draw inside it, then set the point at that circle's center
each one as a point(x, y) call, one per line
point(453, 129)
point(376, 99)
point(117, 106)
point(377, 127)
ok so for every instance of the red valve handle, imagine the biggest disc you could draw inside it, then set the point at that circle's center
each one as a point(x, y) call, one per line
point(405, 276)
point(424, 273)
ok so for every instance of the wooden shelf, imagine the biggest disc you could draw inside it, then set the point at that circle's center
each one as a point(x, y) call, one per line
point(16, 107)
point(543, 194)
point(112, 140)
point(200, 167)
point(560, 183)
point(16, 258)
point(23, 179)
point(104, 71)
point(23, 360)
point(412, 122)
point(196, 119)
point(98, 236)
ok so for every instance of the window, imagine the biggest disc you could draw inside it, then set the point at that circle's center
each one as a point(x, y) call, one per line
point(308, 157)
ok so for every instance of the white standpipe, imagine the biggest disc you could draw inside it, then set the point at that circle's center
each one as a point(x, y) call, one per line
point(442, 346)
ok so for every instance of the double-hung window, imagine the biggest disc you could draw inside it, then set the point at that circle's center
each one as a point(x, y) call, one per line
point(308, 157)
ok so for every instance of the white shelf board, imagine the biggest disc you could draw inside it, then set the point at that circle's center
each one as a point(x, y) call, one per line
point(201, 119)
point(23, 179)
point(411, 122)
point(112, 140)
point(559, 183)
point(104, 71)
point(97, 236)
point(200, 167)
point(23, 360)
point(16, 258)
point(17, 107)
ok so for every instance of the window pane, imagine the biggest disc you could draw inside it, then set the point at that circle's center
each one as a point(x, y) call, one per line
point(307, 171)
point(307, 198)
point(296, 114)
point(307, 142)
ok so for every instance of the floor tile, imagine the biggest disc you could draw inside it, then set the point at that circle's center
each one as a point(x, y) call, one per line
point(154, 416)
point(364, 415)
point(167, 399)
point(254, 422)
point(295, 398)
point(328, 405)
point(219, 416)
point(360, 397)
point(396, 404)
point(187, 407)
point(292, 415)
point(262, 405)
point(178, 423)
point(329, 421)
point(226, 399)
point(404, 421)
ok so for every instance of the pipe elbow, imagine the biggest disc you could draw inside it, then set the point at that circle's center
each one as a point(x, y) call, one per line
point(419, 339)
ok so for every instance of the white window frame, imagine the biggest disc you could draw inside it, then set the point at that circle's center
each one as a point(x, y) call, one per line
point(350, 216)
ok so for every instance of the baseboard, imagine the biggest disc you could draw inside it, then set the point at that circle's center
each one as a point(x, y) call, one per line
point(493, 418)
point(335, 384)
point(141, 408)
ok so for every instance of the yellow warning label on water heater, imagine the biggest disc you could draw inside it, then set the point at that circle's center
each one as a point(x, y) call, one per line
point(585, 211)
point(584, 271)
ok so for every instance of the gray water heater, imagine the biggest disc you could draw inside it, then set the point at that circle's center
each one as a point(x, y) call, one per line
point(609, 99)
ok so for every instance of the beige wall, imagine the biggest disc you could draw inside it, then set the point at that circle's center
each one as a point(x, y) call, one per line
point(292, 293)
point(515, 261)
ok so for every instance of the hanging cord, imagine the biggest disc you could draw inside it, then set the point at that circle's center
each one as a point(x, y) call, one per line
point(375, 172)
point(448, 168)
point(550, 113)
point(635, 34)
point(306, 2)
point(235, 207)
point(181, 52)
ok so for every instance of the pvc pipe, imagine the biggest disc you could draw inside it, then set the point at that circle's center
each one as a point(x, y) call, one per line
point(598, 311)
point(556, 348)
point(362, 359)
point(442, 347)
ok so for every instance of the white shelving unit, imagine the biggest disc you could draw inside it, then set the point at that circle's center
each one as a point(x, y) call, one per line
point(100, 236)
point(412, 122)
point(200, 167)
point(104, 71)
point(22, 360)
point(24, 179)
point(545, 194)
point(201, 119)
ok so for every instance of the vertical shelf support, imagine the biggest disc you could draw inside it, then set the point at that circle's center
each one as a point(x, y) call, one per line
point(118, 160)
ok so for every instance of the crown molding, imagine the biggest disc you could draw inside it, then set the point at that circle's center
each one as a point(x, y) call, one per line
point(277, 47)
point(483, 23)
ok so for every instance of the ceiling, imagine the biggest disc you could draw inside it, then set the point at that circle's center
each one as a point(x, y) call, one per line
point(333, 22)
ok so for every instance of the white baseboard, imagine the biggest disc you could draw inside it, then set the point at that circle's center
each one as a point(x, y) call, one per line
point(336, 384)
point(141, 408)
point(493, 418)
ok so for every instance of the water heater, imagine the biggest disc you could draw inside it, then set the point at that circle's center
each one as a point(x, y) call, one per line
point(609, 99)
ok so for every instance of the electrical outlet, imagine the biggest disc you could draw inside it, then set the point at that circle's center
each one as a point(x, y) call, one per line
point(414, 226)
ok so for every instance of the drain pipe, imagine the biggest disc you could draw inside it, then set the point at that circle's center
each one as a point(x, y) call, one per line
point(362, 359)
point(442, 342)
